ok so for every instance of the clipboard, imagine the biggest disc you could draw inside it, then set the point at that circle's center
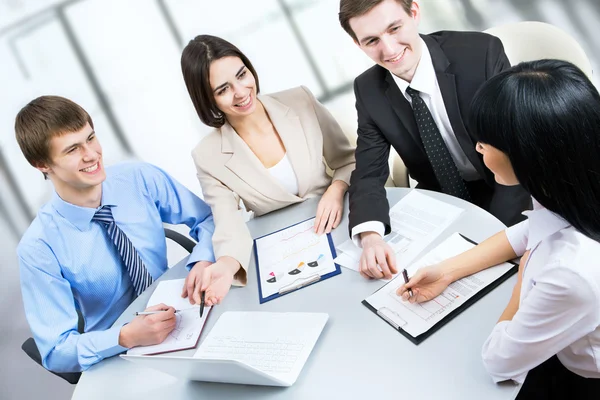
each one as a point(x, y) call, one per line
point(299, 282)
point(395, 320)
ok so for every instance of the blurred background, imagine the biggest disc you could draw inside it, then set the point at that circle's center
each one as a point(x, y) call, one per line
point(119, 59)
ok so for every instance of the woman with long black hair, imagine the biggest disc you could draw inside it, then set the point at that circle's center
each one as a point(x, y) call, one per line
point(538, 124)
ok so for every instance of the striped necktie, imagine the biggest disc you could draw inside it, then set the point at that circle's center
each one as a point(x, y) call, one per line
point(140, 277)
point(439, 156)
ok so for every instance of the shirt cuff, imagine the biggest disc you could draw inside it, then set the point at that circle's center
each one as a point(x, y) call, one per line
point(369, 226)
point(108, 344)
point(200, 253)
point(518, 236)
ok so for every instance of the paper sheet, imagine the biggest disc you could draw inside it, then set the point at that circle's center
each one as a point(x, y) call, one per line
point(189, 324)
point(292, 256)
point(416, 221)
point(419, 318)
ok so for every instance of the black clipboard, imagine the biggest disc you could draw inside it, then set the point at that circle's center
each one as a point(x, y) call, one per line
point(397, 324)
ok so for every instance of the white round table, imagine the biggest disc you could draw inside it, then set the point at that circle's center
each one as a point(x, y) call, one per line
point(358, 355)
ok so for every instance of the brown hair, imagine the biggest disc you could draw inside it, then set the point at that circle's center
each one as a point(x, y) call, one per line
point(41, 120)
point(195, 66)
point(355, 8)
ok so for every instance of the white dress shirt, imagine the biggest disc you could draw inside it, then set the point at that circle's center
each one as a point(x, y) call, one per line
point(425, 81)
point(283, 172)
point(559, 311)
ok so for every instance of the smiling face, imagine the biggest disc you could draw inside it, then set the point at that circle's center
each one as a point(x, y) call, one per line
point(234, 87)
point(390, 37)
point(76, 168)
point(498, 163)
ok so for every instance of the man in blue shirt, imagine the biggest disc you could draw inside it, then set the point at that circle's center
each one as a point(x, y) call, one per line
point(99, 241)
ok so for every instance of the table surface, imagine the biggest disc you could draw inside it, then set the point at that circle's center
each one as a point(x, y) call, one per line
point(357, 356)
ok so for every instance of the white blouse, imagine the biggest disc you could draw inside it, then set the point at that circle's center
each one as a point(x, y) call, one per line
point(559, 311)
point(283, 172)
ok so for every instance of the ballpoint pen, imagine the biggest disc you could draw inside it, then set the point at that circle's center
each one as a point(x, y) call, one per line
point(159, 311)
point(405, 275)
point(202, 303)
point(153, 312)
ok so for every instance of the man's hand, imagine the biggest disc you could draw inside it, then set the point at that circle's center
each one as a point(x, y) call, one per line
point(146, 330)
point(378, 260)
point(214, 279)
point(330, 208)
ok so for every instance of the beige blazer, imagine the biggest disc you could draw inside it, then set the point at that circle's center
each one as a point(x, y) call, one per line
point(228, 170)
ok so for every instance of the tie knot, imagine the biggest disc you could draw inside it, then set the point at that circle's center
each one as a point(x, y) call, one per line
point(104, 214)
point(412, 92)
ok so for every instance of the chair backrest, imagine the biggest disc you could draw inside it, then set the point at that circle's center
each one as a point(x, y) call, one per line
point(345, 114)
point(532, 40)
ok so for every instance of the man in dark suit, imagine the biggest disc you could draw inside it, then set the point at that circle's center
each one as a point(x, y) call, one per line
point(416, 99)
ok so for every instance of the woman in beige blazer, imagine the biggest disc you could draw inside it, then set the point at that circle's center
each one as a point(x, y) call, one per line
point(270, 151)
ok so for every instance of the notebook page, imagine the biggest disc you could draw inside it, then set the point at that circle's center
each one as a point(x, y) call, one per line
point(189, 324)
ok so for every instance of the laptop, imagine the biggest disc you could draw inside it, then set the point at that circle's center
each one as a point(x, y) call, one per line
point(252, 348)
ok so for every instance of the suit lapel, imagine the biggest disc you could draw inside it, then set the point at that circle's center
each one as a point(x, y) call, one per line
point(288, 126)
point(447, 84)
point(402, 108)
point(248, 168)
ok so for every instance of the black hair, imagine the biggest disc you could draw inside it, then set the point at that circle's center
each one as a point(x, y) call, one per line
point(545, 116)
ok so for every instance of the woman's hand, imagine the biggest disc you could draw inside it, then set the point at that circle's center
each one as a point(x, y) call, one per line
point(331, 206)
point(426, 284)
point(213, 279)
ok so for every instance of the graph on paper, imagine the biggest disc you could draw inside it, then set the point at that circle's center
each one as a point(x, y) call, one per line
point(291, 256)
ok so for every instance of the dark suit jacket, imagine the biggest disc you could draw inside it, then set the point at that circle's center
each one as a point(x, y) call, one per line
point(463, 61)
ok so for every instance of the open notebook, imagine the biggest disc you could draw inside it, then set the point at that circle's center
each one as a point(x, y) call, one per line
point(417, 321)
point(189, 324)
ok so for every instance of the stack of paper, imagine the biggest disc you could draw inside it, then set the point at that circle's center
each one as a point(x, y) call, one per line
point(417, 220)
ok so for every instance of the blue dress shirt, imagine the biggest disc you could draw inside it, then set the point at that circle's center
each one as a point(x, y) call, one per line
point(68, 262)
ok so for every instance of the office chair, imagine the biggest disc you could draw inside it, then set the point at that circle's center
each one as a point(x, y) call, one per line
point(532, 40)
point(31, 349)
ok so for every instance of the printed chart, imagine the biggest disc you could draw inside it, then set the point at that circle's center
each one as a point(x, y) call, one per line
point(292, 256)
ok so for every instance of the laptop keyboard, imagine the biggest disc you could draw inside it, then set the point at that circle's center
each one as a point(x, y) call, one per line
point(269, 356)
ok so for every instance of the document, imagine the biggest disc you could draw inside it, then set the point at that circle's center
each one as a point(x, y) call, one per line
point(417, 318)
point(292, 258)
point(416, 221)
point(189, 324)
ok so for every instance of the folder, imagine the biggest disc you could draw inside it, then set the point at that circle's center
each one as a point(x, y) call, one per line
point(400, 315)
point(292, 258)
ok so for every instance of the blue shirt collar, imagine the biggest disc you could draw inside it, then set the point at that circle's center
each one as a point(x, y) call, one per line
point(542, 223)
point(81, 217)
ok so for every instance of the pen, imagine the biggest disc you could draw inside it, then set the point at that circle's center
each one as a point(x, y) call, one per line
point(158, 311)
point(152, 312)
point(405, 275)
point(202, 303)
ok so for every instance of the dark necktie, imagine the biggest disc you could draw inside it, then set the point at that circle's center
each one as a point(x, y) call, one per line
point(140, 277)
point(438, 154)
